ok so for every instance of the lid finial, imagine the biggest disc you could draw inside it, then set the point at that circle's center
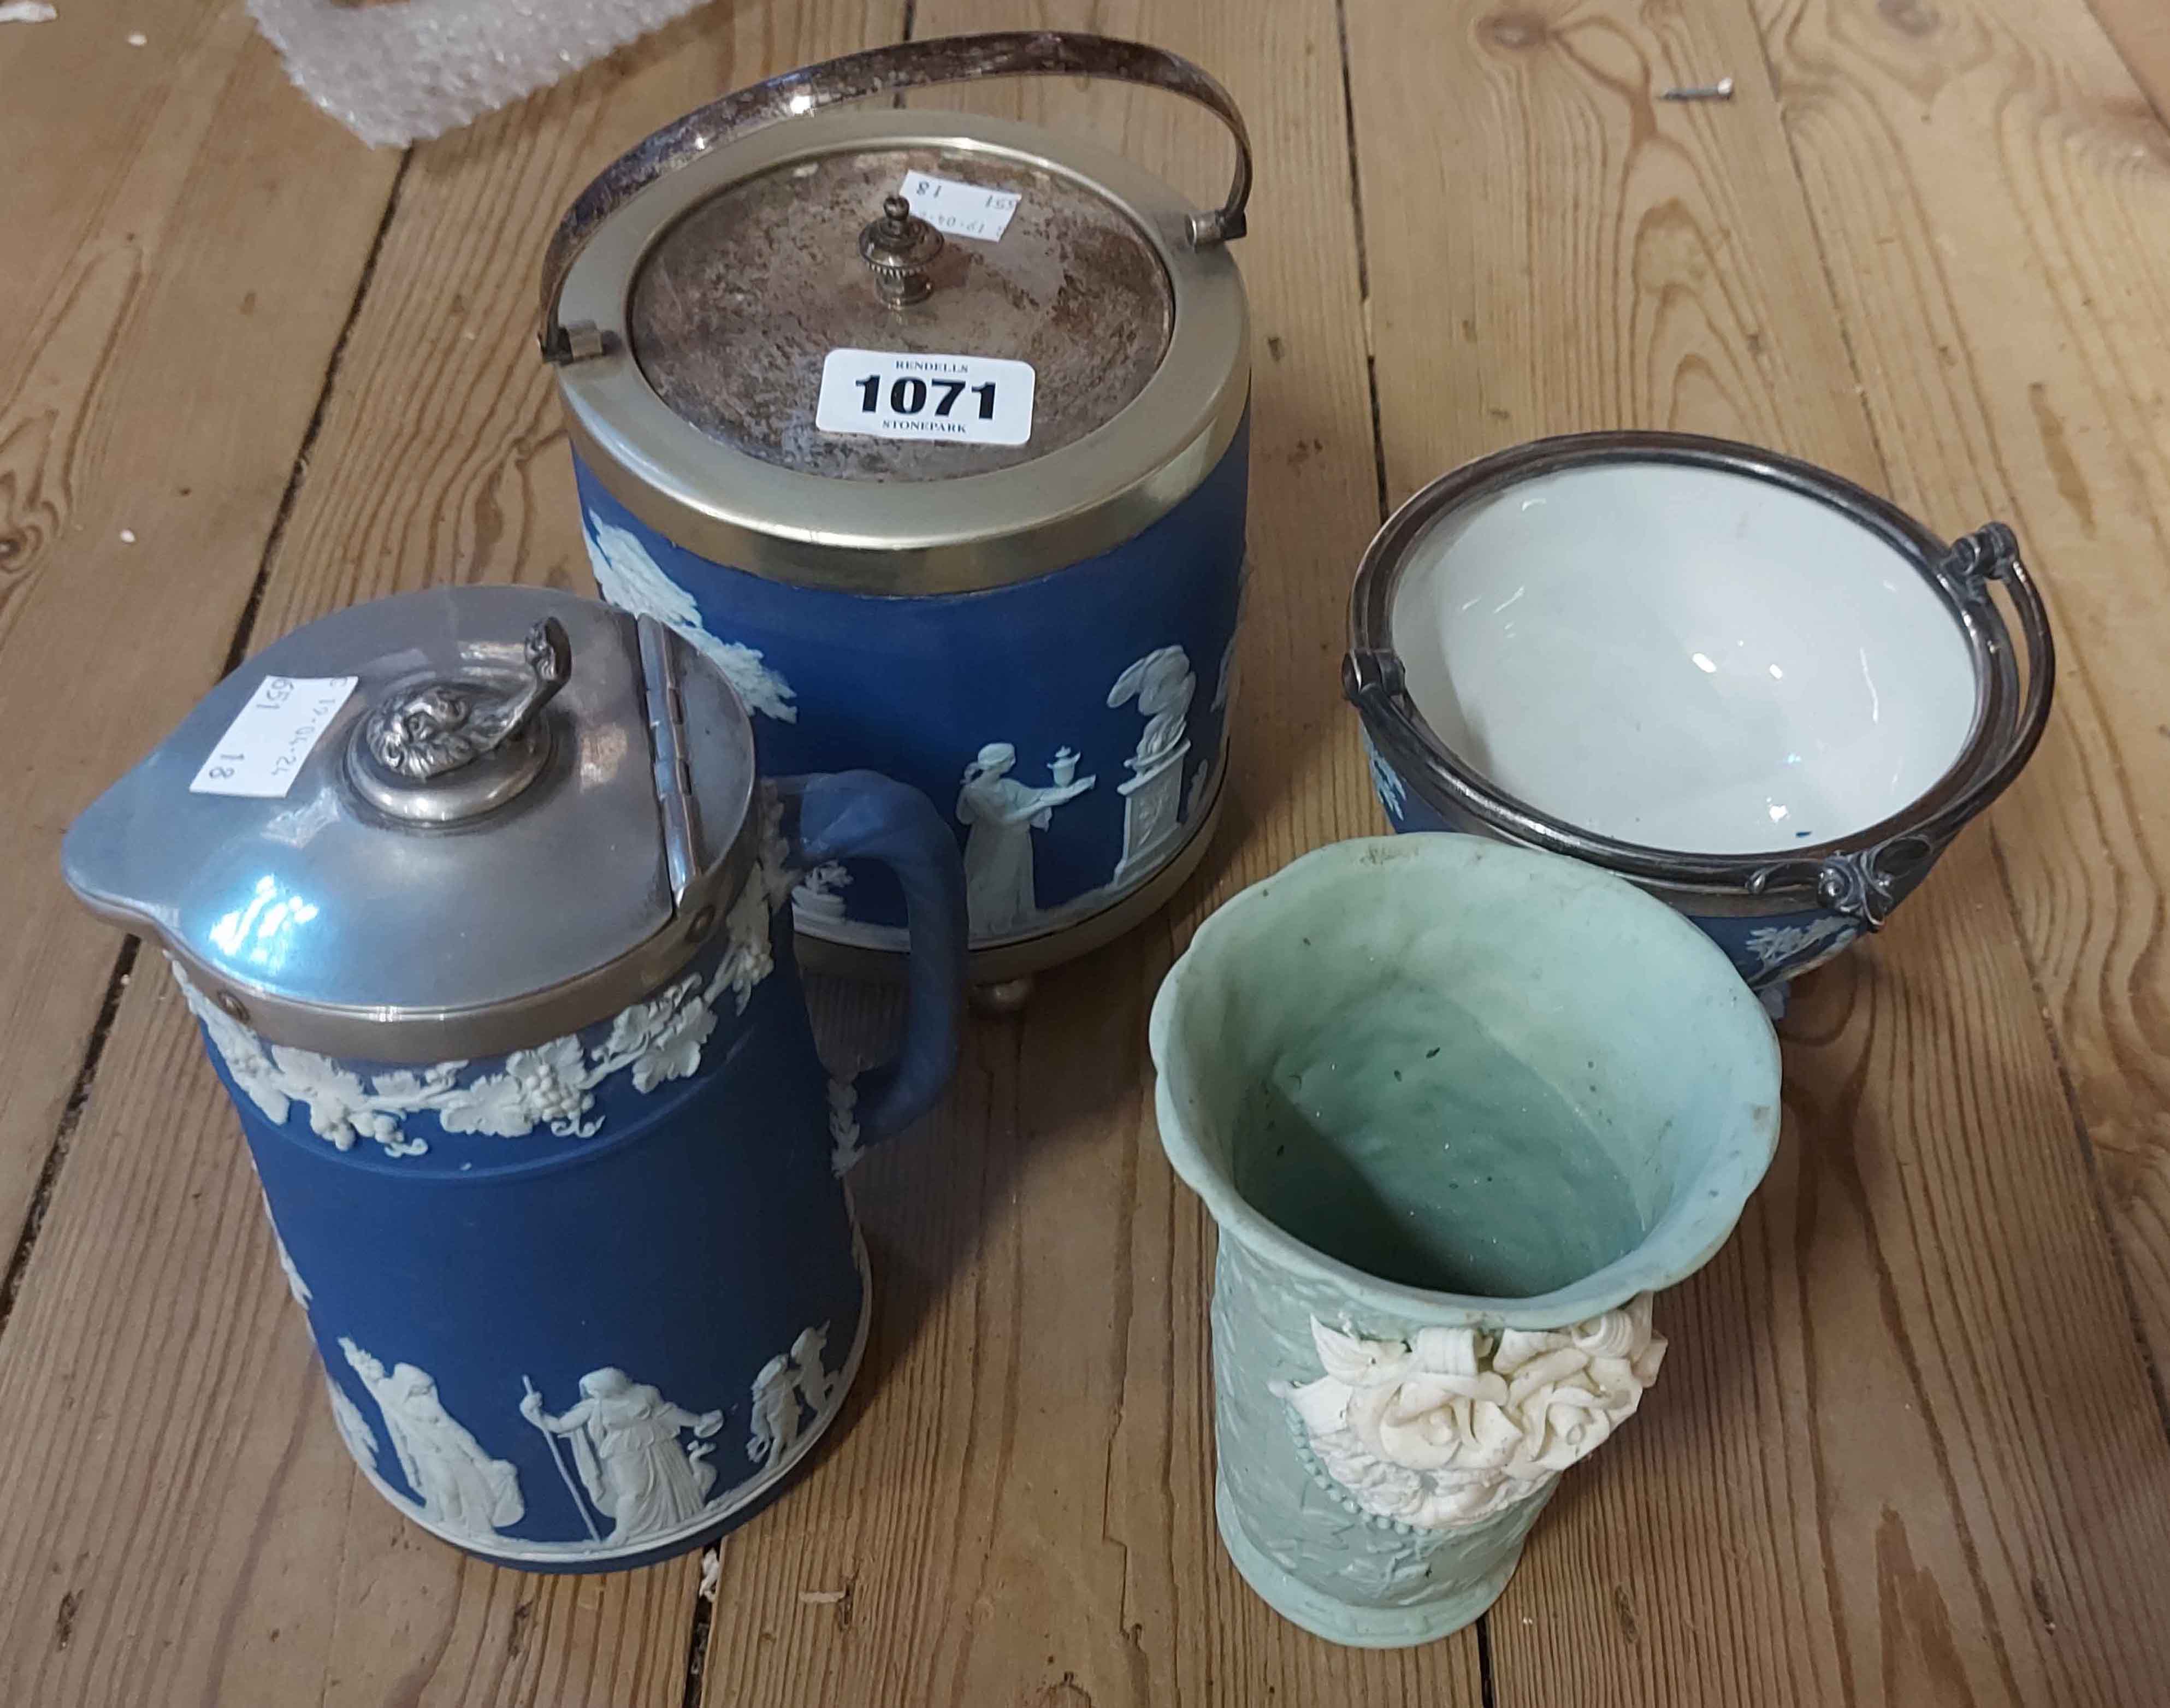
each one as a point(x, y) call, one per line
point(429, 730)
point(899, 250)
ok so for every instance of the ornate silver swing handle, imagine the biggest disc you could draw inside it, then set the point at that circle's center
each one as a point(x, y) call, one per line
point(882, 71)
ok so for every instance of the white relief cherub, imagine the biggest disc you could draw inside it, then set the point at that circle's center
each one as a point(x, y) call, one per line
point(818, 1386)
point(787, 1382)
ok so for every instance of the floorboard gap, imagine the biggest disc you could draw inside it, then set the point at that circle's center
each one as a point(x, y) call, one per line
point(1363, 259)
point(697, 1639)
point(49, 1172)
point(245, 628)
point(1487, 1692)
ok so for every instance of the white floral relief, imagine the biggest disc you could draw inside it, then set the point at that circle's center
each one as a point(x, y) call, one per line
point(1393, 794)
point(1775, 945)
point(630, 578)
point(1451, 1427)
point(553, 1085)
point(817, 896)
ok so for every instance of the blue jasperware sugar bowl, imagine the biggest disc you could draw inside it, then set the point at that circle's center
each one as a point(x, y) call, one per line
point(1766, 695)
point(930, 429)
point(478, 899)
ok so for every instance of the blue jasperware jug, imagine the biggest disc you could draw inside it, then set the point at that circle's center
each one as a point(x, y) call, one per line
point(483, 910)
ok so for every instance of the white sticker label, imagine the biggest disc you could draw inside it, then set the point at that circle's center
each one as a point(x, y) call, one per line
point(962, 210)
point(896, 394)
point(262, 750)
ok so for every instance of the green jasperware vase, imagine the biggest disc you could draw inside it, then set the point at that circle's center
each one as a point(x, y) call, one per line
point(1460, 1110)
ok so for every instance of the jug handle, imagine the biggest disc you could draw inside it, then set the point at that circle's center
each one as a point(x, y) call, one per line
point(861, 815)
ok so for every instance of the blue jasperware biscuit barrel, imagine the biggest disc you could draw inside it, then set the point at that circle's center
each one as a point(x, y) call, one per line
point(476, 896)
point(928, 429)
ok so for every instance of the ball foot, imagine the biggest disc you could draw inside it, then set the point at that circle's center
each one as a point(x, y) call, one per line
point(1004, 997)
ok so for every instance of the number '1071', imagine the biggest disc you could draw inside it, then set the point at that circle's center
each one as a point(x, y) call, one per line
point(908, 395)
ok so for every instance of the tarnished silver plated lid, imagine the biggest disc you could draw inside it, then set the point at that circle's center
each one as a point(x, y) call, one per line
point(440, 825)
point(735, 307)
point(693, 293)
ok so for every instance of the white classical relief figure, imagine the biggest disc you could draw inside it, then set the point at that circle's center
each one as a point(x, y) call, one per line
point(462, 1488)
point(786, 1382)
point(775, 1411)
point(1163, 686)
point(1002, 814)
point(625, 1440)
point(353, 1427)
point(1449, 1427)
point(630, 578)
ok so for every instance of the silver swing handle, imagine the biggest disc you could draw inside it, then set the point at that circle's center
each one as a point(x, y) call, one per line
point(881, 71)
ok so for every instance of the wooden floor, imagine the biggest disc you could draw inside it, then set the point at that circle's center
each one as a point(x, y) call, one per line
point(1910, 1445)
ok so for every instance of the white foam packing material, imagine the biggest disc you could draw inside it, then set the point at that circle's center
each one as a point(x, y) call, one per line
point(398, 71)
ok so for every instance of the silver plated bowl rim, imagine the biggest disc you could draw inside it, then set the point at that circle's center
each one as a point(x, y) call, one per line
point(1894, 852)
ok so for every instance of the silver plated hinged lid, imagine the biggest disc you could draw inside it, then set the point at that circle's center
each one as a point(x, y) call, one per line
point(735, 307)
point(693, 292)
point(528, 812)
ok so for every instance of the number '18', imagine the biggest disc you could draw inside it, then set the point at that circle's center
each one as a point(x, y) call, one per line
point(908, 394)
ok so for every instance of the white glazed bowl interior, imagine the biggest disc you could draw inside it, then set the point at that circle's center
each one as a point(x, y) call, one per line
point(1683, 658)
point(1501, 1085)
